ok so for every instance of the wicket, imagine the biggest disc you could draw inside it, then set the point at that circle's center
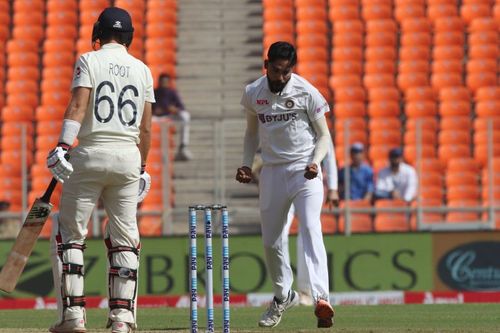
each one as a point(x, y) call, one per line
point(209, 266)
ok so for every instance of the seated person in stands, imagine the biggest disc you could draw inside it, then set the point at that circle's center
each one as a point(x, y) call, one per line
point(169, 104)
point(361, 176)
point(398, 180)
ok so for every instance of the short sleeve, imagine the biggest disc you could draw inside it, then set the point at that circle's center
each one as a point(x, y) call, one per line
point(245, 102)
point(150, 94)
point(81, 74)
point(317, 106)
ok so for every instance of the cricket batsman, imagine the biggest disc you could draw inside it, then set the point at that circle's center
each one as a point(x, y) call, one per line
point(286, 114)
point(110, 113)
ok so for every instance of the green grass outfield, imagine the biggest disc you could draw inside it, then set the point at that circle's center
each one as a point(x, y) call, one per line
point(389, 318)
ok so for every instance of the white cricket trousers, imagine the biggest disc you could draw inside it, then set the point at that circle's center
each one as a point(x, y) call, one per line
point(280, 186)
point(110, 172)
point(302, 278)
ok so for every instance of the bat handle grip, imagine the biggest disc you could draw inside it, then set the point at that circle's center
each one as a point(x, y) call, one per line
point(48, 193)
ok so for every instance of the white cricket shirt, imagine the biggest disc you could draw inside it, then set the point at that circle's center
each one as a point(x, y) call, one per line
point(405, 181)
point(285, 130)
point(121, 84)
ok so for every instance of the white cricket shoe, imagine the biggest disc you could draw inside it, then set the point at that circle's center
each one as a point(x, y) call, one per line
point(76, 325)
point(272, 316)
point(120, 327)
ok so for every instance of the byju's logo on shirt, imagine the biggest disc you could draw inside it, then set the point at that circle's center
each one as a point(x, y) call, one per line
point(267, 118)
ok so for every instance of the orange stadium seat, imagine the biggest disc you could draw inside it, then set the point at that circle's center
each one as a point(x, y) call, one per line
point(432, 192)
point(22, 59)
point(483, 24)
point(454, 137)
point(58, 18)
point(475, 81)
point(153, 16)
point(454, 108)
point(167, 29)
point(380, 53)
point(481, 124)
point(22, 45)
point(312, 54)
point(380, 39)
point(486, 51)
point(46, 142)
point(277, 3)
point(376, 12)
point(483, 38)
point(416, 25)
point(13, 87)
point(16, 128)
point(438, 11)
point(454, 94)
point(349, 110)
point(31, 32)
point(28, 18)
point(385, 25)
point(487, 94)
point(57, 59)
point(428, 217)
point(55, 85)
point(482, 138)
point(430, 179)
point(473, 11)
point(14, 142)
point(49, 113)
point(56, 98)
point(461, 179)
point(354, 136)
point(312, 40)
point(404, 12)
point(414, 53)
point(449, 38)
point(411, 152)
point(481, 66)
point(456, 123)
point(23, 73)
point(350, 94)
point(379, 152)
point(383, 94)
point(481, 154)
point(447, 66)
point(448, 152)
point(58, 73)
point(101, 4)
point(160, 56)
point(343, 13)
point(313, 67)
point(420, 39)
point(62, 5)
point(48, 127)
point(346, 68)
point(348, 26)
point(419, 109)
point(463, 192)
point(25, 99)
point(339, 81)
point(384, 124)
point(347, 54)
point(441, 53)
point(448, 24)
point(360, 222)
point(371, 81)
point(383, 109)
point(461, 164)
point(445, 80)
point(131, 4)
point(391, 222)
point(353, 39)
point(58, 45)
point(420, 94)
point(410, 80)
point(426, 137)
point(426, 123)
point(462, 216)
point(353, 124)
point(385, 137)
point(63, 32)
point(89, 16)
point(13, 157)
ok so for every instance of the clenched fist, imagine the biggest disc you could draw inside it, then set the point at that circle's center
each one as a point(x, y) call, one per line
point(311, 171)
point(244, 174)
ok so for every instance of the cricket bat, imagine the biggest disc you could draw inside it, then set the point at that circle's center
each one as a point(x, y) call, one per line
point(26, 239)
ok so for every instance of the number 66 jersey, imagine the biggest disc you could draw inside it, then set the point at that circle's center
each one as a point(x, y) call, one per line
point(120, 84)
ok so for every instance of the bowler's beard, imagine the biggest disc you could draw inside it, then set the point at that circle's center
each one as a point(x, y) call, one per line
point(276, 86)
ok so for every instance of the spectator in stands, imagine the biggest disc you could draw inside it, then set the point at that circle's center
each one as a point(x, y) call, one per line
point(361, 175)
point(169, 104)
point(398, 180)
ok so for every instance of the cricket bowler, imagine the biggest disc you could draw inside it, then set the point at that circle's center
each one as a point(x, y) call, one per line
point(110, 113)
point(286, 114)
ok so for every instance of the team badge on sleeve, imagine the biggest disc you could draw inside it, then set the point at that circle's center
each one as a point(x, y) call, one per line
point(78, 72)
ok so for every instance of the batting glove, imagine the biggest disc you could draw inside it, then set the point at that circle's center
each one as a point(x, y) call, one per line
point(144, 184)
point(58, 165)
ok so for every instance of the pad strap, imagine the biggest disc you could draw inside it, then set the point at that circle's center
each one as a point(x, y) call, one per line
point(62, 247)
point(115, 249)
point(121, 303)
point(123, 272)
point(69, 301)
point(70, 268)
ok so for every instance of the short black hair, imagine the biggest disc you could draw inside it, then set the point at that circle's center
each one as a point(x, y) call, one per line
point(282, 50)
